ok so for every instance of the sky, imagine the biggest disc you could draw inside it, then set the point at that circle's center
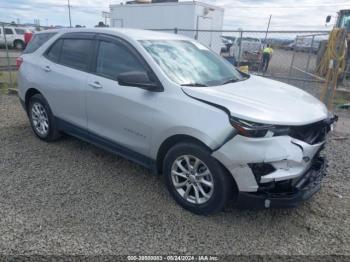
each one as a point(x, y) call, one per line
point(244, 14)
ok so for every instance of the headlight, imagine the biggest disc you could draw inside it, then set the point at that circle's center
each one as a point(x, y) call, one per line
point(251, 129)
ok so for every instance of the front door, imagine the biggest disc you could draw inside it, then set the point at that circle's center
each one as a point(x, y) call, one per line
point(123, 115)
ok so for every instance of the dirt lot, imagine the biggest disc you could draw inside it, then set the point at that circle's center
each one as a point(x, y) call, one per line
point(70, 197)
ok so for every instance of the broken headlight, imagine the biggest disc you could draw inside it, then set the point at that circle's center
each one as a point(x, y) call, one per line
point(252, 129)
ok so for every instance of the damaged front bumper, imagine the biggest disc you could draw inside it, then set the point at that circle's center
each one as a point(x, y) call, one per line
point(272, 171)
point(287, 193)
point(280, 169)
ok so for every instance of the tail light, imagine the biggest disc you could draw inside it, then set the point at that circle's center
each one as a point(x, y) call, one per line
point(19, 61)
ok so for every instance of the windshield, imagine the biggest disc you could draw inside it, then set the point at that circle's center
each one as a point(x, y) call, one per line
point(189, 63)
point(345, 21)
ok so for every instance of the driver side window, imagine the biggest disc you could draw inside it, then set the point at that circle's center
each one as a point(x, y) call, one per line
point(114, 59)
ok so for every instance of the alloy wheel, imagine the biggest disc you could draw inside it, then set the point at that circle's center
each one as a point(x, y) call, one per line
point(40, 119)
point(192, 179)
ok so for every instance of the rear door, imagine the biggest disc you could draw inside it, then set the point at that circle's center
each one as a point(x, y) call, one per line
point(65, 71)
point(120, 114)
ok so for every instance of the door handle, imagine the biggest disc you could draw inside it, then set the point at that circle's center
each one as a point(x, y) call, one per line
point(47, 69)
point(95, 85)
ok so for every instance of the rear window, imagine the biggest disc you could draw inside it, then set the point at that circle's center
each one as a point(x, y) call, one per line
point(54, 52)
point(75, 53)
point(37, 41)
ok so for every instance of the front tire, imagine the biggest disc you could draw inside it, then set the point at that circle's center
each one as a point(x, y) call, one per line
point(41, 119)
point(196, 180)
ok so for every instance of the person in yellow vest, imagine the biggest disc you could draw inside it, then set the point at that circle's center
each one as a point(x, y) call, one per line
point(267, 54)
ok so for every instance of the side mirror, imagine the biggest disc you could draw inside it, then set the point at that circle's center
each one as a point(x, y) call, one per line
point(138, 79)
point(328, 19)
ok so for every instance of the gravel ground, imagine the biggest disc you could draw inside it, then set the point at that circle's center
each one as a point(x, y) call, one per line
point(70, 197)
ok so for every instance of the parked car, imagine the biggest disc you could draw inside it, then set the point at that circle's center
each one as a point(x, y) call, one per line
point(303, 45)
point(14, 36)
point(307, 46)
point(289, 47)
point(170, 104)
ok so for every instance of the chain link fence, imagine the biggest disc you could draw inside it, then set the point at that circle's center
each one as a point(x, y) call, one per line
point(294, 60)
point(11, 45)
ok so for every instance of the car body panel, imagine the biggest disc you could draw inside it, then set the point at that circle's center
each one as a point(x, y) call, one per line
point(286, 154)
point(62, 87)
point(265, 101)
point(184, 116)
point(121, 113)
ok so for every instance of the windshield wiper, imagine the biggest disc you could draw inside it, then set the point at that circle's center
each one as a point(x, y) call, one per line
point(194, 84)
point(233, 80)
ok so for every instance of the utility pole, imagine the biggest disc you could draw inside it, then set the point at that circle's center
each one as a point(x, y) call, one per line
point(268, 27)
point(70, 19)
point(267, 30)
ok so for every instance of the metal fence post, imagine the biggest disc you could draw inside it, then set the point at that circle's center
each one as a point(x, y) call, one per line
point(308, 57)
point(240, 48)
point(7, 56)
point(292, 62)
point(211, 38)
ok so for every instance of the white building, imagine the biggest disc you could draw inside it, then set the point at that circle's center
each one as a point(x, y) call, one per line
point(170, 15)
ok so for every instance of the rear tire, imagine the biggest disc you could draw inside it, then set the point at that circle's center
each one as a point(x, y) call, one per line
point(196, 180)
point(18, 44)
point(41, 119)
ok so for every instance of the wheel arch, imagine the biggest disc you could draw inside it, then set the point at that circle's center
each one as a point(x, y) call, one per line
point(175, 139)
point(170, 142)
point(18, 40)
point(29, 93)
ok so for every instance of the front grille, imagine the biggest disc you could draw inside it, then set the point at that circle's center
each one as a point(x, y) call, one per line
point(311, 134)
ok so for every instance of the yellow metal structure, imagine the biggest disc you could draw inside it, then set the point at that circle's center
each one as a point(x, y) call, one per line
point(331, 53)
point(333, 64)
point(244, 69)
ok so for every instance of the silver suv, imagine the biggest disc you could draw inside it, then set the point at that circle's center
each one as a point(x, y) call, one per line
point(170, 104)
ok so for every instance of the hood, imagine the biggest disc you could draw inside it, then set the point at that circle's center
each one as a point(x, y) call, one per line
point(262, 100)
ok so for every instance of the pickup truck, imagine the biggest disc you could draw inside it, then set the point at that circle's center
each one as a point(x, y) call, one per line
point(246, 50)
